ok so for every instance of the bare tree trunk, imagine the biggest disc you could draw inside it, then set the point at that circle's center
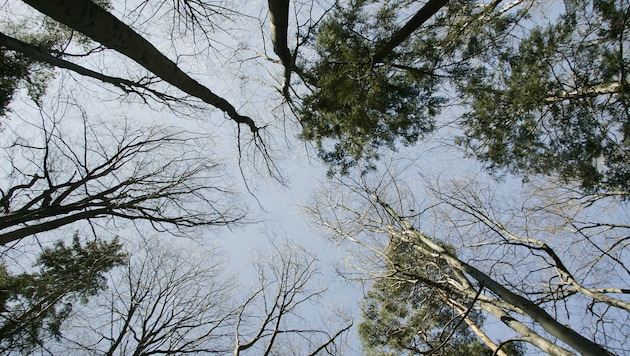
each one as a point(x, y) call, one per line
point(279, 18)
point(98, 24)
point(528, 334)
point(546, 321)
point(425, 13)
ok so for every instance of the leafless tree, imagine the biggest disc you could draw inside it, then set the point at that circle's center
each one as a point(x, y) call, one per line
point(546, 263)
point(273, 315)
point(61, 170)
point(178, 301)
point(166, 301)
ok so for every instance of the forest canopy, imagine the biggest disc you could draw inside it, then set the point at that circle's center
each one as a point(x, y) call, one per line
point(477, 153)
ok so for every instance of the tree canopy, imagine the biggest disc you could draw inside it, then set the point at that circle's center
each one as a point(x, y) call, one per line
point(34, 305)
point(403, 316)
point(556, 102)
point(538, 94)
point(530, 89)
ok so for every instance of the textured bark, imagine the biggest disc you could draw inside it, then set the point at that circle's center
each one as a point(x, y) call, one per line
point(93, 21)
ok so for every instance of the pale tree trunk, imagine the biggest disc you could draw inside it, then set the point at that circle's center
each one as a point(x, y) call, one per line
point(529, 308)
point(528, 334)
point(477, 330)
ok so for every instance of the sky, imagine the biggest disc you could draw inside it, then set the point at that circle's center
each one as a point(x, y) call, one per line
point(232, 65)
point(273, 205)
point(233, 68)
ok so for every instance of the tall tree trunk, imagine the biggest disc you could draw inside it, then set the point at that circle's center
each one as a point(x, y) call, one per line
point(529, 308)
point(95, 22)
point(279, 18)
point(425, 13)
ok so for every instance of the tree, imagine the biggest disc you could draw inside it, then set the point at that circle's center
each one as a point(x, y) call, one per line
point(21, 67)
point(35, 305)
point(269, 318)
point(97, 23)
point(557, 103)
point(356, 105)
point(55, 179)
point(539, 94)
point(539, 267)
point(178, 301)
point(376, 83)
point(401, 316)
point(166, 300)
point(13, 70)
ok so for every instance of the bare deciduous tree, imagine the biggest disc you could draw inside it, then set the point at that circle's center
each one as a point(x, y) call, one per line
point(57, 172)
point(178, 301)
point(166, 301)
point(549, 266)
point(273, 313)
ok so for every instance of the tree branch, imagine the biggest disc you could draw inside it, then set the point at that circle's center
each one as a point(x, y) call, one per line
point(93, 21)
point(425, 13)
point(41, 55)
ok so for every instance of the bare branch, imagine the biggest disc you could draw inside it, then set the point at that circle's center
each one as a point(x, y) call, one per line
point(93, 21)
point(128, 86)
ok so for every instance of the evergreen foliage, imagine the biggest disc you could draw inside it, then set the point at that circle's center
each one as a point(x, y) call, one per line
point(557, 103)
point(357, 105)
point(403, 314)
point(539, 94)
point(34, 305)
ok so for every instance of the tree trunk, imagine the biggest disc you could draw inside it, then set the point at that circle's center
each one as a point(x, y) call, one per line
point(93, 21)
point(539, 315)
point(425, 13)
point(529, 308)
point(279, 18)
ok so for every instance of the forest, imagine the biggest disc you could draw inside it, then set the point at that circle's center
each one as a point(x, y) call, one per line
point(314, 177)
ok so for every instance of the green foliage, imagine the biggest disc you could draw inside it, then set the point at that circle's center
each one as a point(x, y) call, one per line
point(357, 106)
point(405, 314)
point(557, 103)
point(12, 70)
point(34, 305)
point(548, 99)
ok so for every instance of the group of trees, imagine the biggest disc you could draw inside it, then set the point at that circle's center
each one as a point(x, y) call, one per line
point(531, 89)
point(66, 168)
point(538, 93)
point(546, 264)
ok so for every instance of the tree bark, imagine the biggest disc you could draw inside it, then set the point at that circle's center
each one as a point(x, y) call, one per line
point(477, 330)
point(526, 333)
